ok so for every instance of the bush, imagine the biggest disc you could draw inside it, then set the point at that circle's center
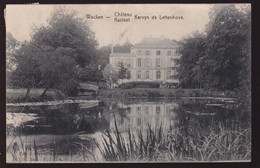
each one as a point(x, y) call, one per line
point(126, 86)
point(102, 85)
point(150, 84)
point(142, 86)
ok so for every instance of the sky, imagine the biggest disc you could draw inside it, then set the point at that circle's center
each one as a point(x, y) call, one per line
point(22, 19)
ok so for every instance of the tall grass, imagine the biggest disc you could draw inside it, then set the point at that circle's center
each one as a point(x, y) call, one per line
point(157, 144)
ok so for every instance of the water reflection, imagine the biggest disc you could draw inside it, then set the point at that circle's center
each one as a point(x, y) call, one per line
point(66, 132)
point(138, 116)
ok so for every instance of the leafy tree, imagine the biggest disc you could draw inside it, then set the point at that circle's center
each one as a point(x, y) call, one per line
point(51, 58)
point(64, 29)
point(57, 68)
point(226, 37)
point(27, 73)
point(192, 49)
point(110, 75)
point(12, 45)
point(122, 72)
point(103, 53)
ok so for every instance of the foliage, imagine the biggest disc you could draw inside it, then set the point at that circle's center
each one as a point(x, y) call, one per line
point(11, 46)
point(55, 54)
point(27, 73)
point(221, 65)
point(191, 49)
point(89, 73)
point(126, 86)
point(150, 84)
point(157, 144)
point(142, 86)
point(64, 29)
point(221, 60)
point(110, 74)
point(122, 72)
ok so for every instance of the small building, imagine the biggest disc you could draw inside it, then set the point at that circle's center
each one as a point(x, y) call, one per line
point(152, 59)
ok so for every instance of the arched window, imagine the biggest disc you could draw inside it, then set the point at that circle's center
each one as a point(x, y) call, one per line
point(158, 75)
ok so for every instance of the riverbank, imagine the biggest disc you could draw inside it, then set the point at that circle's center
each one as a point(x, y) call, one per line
point(162, 93)
point(18, 95)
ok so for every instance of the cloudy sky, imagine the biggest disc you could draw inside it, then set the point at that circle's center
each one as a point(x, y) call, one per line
point(21, 19)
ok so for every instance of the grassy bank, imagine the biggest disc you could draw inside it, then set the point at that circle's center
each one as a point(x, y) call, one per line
point(18, 95)
point(164, 93)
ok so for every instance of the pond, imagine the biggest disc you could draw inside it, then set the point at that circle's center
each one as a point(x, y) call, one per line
point(129, 130)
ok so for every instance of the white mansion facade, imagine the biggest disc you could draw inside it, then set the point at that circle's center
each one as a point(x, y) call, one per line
point(152, 59)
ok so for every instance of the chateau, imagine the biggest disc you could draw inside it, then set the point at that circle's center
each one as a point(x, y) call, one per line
point(152, 59)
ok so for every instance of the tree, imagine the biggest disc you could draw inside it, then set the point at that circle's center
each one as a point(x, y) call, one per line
point(27, 73)
point(110, 75)
point(191, 49)
point(57, 68)
point(12, 45)
point(122, 72)
point(51, 58)
point(226, 37)
point(64, 29)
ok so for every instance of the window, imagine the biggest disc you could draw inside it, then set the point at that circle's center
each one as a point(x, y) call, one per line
point(147, 52)
point(138, 75)
point(169, 52)
point(147, 75)
point(139, 62)
point(158, 75)
point(128, 74)
point(168, 74)
point(138, 109)
point(139, 52)
point(158, 52)
point(158, 62)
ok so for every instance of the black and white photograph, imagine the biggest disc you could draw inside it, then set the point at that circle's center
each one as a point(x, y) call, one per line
point(135, 83)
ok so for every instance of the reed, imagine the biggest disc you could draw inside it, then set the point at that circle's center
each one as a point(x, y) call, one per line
point(157, 144)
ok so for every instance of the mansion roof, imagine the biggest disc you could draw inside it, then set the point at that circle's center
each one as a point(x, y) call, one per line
point(122, 55)
point(157, 43)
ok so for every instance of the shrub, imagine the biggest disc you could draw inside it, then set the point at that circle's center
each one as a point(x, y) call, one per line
point(142, 86)
point(126, 86)
point(150, 84)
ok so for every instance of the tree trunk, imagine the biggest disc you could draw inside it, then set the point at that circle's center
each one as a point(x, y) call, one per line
point(44, 92)
point(28, 92)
